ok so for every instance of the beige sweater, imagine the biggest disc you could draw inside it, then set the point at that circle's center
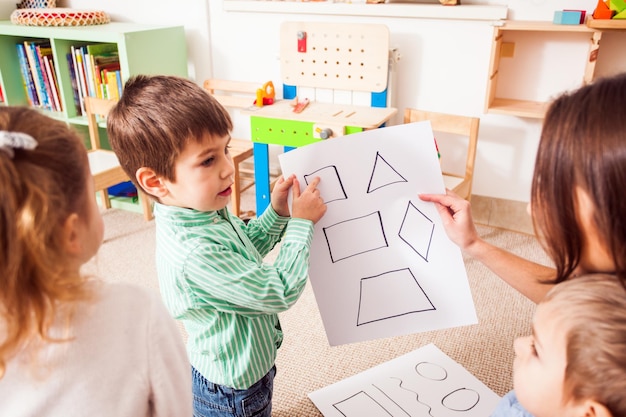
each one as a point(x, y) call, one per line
point(127, 359)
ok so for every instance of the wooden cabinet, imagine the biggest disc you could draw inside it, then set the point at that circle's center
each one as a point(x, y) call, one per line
point(519, 31)
point(143, 49)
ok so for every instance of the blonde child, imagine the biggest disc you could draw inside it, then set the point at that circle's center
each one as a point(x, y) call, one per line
point(172, 139)
point(71, 345)
point(574, 363)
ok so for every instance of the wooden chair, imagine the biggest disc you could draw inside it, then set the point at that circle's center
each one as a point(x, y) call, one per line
point(104, 165)
point(237, 95)
point(462, 126)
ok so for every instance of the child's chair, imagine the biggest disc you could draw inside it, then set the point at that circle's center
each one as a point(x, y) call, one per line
point(237, 95)
point(104, 165)
point(461, 126)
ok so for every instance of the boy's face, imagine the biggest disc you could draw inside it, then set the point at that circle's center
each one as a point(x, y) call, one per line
point(204, 176)
point(539, 367)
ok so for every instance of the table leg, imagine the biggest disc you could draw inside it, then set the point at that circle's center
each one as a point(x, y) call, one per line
point(261, 177)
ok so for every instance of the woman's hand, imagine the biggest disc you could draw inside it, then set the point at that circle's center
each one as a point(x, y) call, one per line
point(456, 215)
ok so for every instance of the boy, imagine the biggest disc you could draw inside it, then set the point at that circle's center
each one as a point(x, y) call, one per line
point(172, 138)
point(574, 364)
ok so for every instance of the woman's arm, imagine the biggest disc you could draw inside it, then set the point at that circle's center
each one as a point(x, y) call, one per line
point(522, 274)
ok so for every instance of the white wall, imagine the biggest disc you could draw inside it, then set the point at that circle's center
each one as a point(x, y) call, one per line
point(193, 14)
point(443, 67)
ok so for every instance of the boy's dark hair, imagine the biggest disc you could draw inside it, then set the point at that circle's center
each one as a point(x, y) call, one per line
point(156, 117)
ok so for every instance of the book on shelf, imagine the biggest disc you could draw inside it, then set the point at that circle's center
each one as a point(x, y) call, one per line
point(27, 76)
point(54, 87)
point(113, 79)
point(79, 80)
point(33, 63)
point(41, 50)
point(102, 67)
point(91, 64)
point(100, 54)
point(38, 74)
point(71, 64)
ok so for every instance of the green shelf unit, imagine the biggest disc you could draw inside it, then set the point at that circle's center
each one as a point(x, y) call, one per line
point(143, 49)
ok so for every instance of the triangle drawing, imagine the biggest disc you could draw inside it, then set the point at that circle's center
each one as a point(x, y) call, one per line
point(383, 174)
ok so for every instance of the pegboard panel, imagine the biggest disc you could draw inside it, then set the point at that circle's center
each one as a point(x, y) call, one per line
point(335, 56)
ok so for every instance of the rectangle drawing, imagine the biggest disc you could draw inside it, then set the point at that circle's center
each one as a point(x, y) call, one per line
point(355, 236)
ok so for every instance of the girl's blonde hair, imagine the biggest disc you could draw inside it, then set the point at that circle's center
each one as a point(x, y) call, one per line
point(40, 189)
point(593, 310)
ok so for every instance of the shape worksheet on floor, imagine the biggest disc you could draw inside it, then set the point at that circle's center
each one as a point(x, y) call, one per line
point(422, 383)
point(381, 263)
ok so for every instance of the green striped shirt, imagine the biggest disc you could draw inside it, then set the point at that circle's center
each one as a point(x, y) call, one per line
point(212, 277)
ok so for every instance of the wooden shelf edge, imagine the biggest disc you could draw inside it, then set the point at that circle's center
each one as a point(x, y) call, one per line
point(521, 108)
point(541, 26)
point(423, 11)
point(606, 23)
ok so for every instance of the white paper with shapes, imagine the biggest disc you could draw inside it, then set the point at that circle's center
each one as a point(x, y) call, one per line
point(422, 383)
point(381, 263)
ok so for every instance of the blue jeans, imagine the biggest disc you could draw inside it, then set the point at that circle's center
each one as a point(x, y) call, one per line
point(212, 400)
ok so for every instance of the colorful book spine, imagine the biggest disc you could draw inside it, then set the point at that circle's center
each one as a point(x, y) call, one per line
point(43, 74)
point(102, 56)
point(27, 77)
point(89, 77)
point(37, 80)
point(101, 73)
point(120, 87)
point(54, 88)
point(112, 84)
point(80, 75)
point(74, 81)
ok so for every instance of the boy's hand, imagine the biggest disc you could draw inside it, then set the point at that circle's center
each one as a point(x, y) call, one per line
point(280, 195)
point(309, 204)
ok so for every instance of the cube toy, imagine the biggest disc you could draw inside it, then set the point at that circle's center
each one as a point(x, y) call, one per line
point(617, 6)
point(583, 14)
point(568, 17)
point(602, 11)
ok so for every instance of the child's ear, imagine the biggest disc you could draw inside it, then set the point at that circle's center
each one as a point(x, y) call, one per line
point(71, 235)
point(593, 408)
point(151, 182)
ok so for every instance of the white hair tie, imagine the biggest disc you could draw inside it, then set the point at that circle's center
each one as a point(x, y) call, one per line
point(16, 140)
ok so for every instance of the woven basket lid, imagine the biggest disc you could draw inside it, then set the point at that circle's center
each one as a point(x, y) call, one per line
point(58, 16)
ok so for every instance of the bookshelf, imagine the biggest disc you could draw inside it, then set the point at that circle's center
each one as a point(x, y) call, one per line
point(142, 49)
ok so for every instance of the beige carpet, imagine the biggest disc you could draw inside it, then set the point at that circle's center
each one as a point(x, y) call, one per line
point(306, 362)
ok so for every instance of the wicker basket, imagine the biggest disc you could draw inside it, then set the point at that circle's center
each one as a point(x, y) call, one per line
point(58, 16)
point(36, 4)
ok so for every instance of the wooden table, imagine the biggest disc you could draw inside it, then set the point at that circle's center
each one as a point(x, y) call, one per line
point(277, 124)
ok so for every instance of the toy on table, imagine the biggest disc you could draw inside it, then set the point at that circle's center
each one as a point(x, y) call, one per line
point(299, 106)
point(265, 95)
